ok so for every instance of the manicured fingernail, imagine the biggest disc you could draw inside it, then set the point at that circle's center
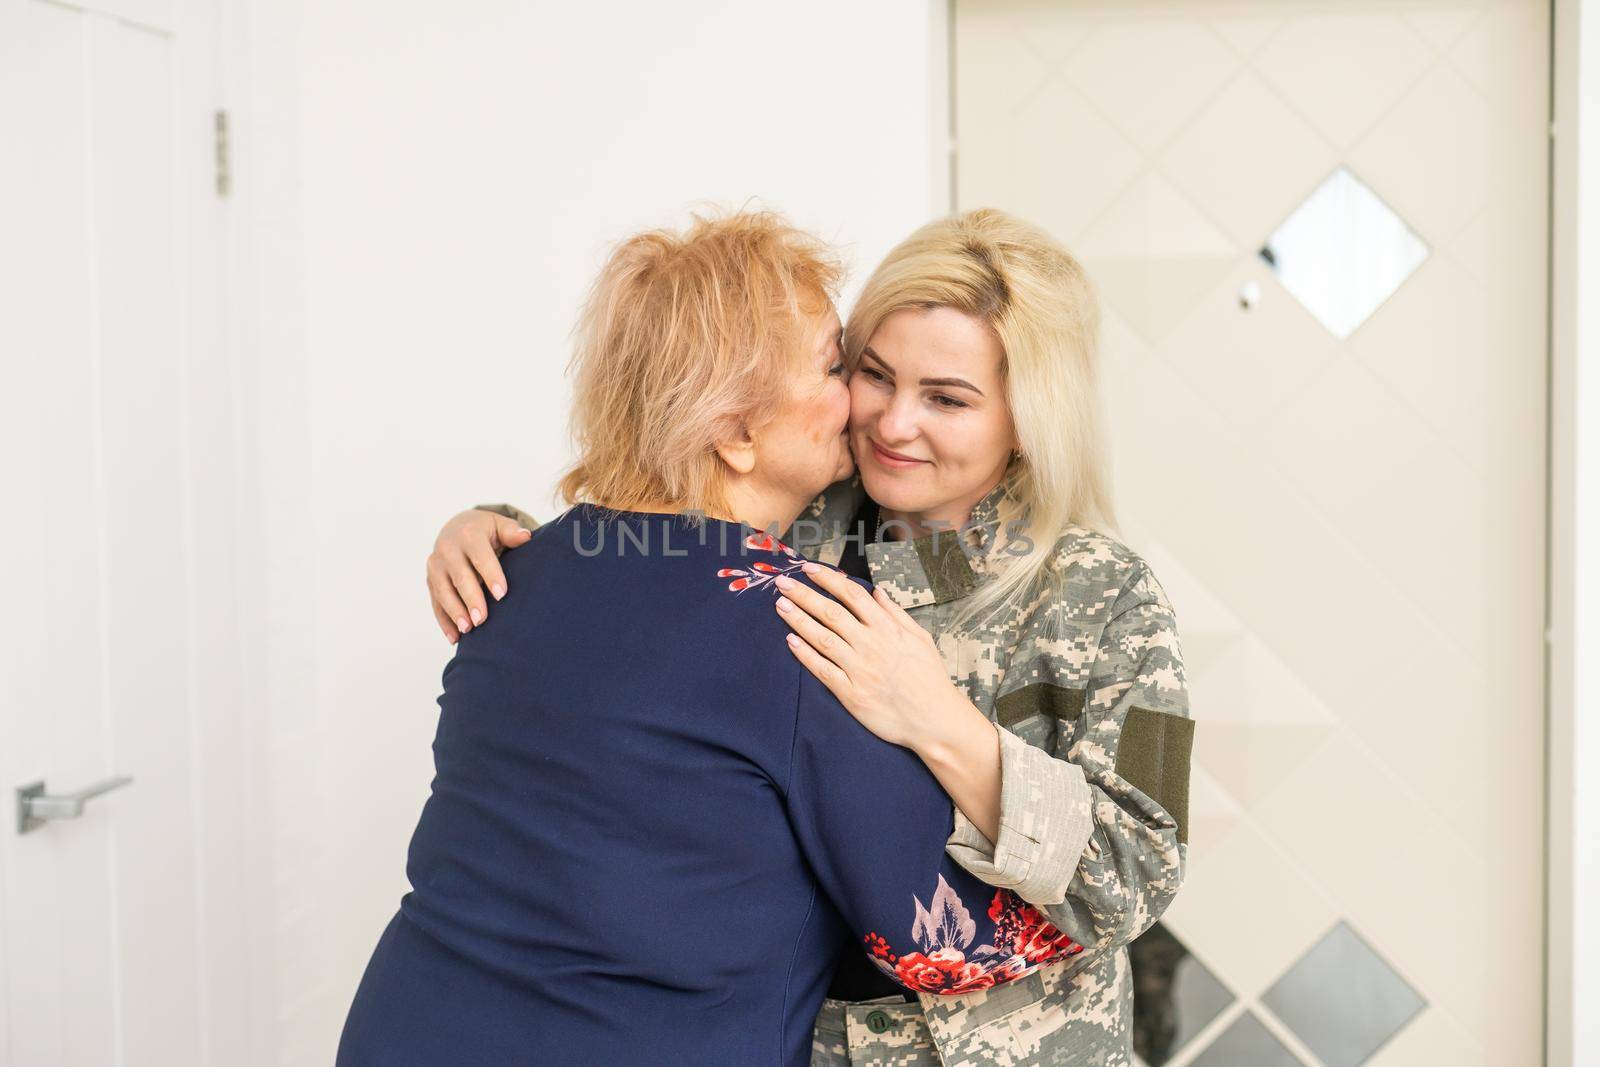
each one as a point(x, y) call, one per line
point(461, 624)
point(785, 604)
point(812, 568)
point(785, 582)
point(477, 616)
point(498, 591)
point(793, 640)
point(523, 529)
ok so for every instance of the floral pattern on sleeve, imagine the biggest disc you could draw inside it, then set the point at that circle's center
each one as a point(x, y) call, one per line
point(760, 572)
point(1022, 942)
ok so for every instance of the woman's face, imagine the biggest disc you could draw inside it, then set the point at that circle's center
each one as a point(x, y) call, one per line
point(806, 448)
point(929, 422)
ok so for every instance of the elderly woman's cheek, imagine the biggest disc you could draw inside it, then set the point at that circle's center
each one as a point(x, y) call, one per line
point(818, 433)
point(840, 422)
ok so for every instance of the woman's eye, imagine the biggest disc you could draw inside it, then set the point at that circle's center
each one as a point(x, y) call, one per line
point(836, 370)
point(948, 402)
point(872, 375)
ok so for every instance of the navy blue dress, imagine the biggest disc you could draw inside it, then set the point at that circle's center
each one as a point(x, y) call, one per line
point(652, 833)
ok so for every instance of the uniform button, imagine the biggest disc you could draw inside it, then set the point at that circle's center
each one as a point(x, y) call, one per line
point(877, 1022)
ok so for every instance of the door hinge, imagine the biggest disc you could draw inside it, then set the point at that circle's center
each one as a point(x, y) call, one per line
point(224, 154)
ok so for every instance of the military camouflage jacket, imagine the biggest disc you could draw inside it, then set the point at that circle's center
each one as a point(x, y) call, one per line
point(1086, 681)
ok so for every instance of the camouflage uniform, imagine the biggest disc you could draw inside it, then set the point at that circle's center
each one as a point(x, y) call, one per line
point(1086, 679)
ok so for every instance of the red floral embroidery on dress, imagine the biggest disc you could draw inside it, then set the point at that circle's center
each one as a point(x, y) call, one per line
point(1023, 942)
point(1031, 937)
point(760, 572)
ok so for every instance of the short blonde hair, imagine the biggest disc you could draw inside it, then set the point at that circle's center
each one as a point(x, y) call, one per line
point(683, 338)
point(1015, 277)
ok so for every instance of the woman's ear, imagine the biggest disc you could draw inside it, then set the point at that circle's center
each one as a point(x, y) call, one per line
point(739, 450)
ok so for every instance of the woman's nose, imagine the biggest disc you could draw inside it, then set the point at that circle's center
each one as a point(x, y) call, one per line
point(897, 421)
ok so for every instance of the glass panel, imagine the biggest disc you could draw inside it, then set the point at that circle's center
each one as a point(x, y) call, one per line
point(1174, 995)
point(1343, 1000)
point(1247, 1043)
point(1343, 252)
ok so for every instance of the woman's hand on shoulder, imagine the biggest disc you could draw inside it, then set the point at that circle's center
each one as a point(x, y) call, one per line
point(465, 559)
point(871, 654)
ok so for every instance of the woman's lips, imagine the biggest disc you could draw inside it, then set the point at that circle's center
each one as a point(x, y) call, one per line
point(893, 459)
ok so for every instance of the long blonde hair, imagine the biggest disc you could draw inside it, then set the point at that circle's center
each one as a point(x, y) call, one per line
point(1039, 301)
point(683, 337)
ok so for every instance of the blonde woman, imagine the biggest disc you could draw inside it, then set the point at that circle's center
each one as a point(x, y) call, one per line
point(1042, 682)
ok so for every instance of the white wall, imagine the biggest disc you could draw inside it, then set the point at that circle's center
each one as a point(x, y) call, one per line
point(431, 188)
point(1574, 841)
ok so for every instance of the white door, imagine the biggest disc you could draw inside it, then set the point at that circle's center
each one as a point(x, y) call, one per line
point(1335, 463)
point(120, 928)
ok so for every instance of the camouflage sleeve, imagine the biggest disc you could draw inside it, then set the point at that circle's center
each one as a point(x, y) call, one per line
point(510, 511)
point(1044, 824)
point(1132, 738)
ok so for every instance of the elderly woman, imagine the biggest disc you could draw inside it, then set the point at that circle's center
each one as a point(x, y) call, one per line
point(652, 832)
point(1043, 685)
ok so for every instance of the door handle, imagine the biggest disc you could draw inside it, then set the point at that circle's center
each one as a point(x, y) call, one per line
point(35, 806)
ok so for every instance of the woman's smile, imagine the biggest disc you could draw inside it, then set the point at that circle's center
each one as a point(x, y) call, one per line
point(893, 460)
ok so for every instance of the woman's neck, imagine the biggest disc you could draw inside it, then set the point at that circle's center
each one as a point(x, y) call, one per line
point(908, 525)
point(758, 514)
point(760, 509)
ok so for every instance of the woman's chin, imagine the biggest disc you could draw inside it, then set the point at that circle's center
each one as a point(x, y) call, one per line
point(888, 491)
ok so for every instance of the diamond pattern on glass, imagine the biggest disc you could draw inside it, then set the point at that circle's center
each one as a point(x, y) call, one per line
point(1174, 995)
point(1247, 1043)
point(1343, 1000)
point(1343, 252)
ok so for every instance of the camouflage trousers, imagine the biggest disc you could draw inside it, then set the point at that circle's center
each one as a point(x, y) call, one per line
point(1038, 1021)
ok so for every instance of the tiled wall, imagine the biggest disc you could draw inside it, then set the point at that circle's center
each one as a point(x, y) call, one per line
point(1350, 522)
